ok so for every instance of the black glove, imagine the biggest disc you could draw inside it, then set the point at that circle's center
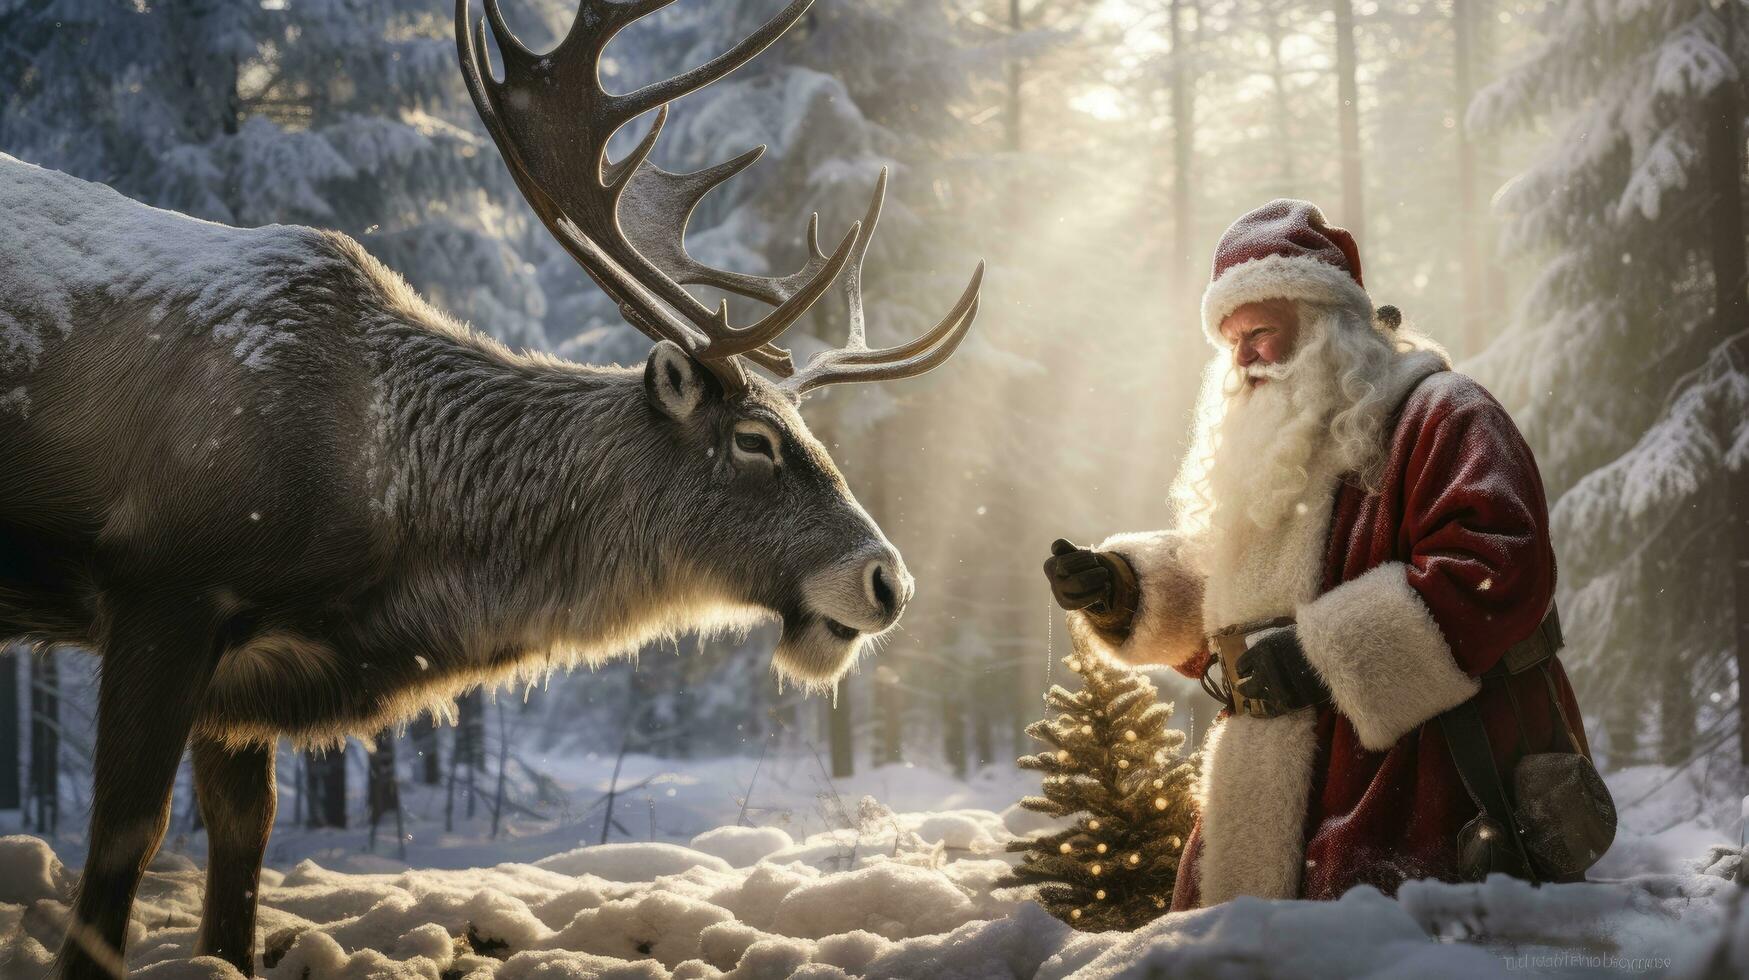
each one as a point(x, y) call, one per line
point(1275, 669)
point(1099, 583)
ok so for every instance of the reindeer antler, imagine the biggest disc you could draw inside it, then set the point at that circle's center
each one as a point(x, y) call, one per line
point(625, 222)
point(854, 361)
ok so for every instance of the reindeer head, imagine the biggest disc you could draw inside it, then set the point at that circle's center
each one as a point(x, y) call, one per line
point(767, 521)
point(767, 509)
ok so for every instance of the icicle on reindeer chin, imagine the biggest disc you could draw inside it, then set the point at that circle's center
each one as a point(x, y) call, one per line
point(392, 508)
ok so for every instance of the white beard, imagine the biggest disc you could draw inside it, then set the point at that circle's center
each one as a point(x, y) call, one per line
point(1269, 439)
point(1259, 450)
point(1264, 467)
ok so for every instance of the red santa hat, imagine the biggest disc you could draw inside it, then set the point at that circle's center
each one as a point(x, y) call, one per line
point(1283, 250)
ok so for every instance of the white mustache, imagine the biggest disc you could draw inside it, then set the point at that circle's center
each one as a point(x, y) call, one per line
point(1270, 372)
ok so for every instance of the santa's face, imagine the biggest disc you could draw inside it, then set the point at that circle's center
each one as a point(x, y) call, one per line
point(1284, 394)
point(1273, 420)
point(1261, 334)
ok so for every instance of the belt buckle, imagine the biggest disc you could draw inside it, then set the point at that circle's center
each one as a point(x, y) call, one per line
point(1228, 645)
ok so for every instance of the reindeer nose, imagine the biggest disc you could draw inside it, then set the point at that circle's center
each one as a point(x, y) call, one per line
point(887, 586)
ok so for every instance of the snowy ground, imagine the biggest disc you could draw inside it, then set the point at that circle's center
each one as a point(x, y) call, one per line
point(886, 875)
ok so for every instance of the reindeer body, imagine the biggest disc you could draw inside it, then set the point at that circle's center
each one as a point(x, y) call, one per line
point(310, 461)
point(280, 495)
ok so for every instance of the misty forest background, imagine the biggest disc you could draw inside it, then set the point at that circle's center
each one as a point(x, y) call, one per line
point(1554, 190)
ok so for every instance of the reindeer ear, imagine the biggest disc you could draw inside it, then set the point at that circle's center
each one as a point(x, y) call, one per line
point(674, 382)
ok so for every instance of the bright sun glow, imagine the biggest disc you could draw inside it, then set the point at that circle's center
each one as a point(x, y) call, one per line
point(1103, 103)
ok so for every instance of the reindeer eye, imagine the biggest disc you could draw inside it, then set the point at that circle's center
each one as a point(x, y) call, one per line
point(753, 442)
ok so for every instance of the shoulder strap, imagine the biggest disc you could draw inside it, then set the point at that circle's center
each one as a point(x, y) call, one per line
point(1472, 753)
point(1473, 756)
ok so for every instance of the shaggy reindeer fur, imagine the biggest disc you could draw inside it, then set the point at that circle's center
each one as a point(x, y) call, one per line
point(280, 495)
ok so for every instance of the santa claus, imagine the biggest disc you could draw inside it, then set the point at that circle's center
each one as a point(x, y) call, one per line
point(1360, 537)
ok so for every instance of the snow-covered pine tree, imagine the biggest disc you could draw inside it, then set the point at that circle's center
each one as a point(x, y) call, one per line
point(1113, 761)
point(331, 113)
point(1623, 209)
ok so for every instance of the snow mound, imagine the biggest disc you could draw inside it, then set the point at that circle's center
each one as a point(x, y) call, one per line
point(966, 830)
point(640, 861)
point(29, 871)
point(1358, 934)
point(893, 895)
point(198, 968)
point(742, 846)
point(890, 899)
point(660, 925)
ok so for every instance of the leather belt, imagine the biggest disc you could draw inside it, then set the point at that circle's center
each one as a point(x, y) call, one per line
point(1228, 645)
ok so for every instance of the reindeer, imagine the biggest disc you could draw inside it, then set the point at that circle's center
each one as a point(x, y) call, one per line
point(280, 495)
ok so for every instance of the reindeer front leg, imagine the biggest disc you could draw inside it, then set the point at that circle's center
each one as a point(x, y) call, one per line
point(156, 665)
point(237, 801)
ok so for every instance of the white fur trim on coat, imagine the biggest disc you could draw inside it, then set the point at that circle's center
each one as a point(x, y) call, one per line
point(1167, 628)
point(1299, 277)
point(1256, 787)
point(1375, 643)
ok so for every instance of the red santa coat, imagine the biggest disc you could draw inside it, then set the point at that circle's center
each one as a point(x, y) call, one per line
point(1403, 598)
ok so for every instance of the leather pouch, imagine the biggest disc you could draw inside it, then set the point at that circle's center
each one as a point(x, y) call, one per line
point(1565, 813)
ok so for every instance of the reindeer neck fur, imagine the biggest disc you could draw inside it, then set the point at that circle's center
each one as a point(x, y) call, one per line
point(532, 501)
point(534, 504)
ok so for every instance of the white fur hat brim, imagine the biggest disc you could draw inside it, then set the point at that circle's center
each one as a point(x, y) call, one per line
point(1296, 277)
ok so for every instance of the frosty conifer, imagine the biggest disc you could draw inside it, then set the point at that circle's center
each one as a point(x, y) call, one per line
point(1113, 761)
point(1627, 379)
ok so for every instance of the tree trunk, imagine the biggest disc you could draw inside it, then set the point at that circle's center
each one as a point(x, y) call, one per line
point(625, 744)
point(503, 760)
point(1011, 137)
point(470, 742)
point(1621, 728)
point(1487, 150)
point(1183, 151)
point(953, 728)
point(1469, 230)
point(839, 731)
point(430, 767)
point(983, 734)
point(325, 781)
point(1029, 684)
point(9, 786)
point(1284, 136)
point(1676, 710)
point(892, 708)
point(1724, 150)
point(45, 741)
point(1348, 121)
point(384, 787)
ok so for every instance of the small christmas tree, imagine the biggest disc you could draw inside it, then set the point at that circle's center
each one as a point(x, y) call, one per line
point(1114, 761)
